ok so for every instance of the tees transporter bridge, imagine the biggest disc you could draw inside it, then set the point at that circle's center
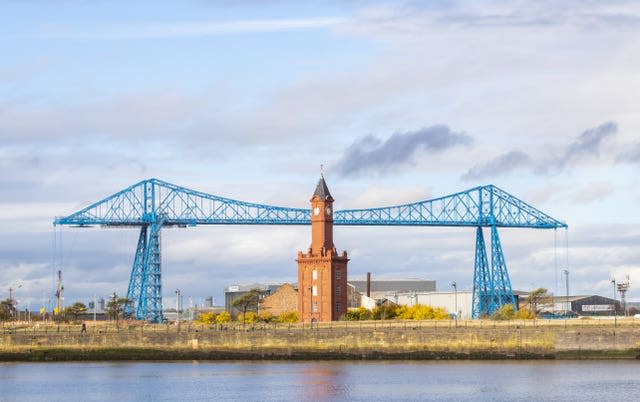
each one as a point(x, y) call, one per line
point(154, 204)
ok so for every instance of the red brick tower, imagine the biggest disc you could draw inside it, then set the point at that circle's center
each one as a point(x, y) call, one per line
point(322, 273)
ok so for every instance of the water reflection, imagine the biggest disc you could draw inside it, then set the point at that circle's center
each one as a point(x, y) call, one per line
point(322, 381)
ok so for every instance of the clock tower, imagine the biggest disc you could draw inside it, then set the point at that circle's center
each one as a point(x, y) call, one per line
point(322, 273)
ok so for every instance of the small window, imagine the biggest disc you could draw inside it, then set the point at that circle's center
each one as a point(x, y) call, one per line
point(314, 274)
point(338, 274)
point(338, 307)
point(338, 291)
point(314, 290)
point(314, 307)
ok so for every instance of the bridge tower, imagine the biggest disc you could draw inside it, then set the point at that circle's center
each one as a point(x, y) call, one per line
point(322, 273)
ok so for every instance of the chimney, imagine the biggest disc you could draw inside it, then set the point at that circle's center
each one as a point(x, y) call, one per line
point(368, 284)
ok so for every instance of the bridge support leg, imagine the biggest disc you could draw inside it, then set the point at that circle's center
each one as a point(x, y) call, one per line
point(502, 292)
point(154, 276)
point(482, 296)
point(145, 284)
point(135, 291)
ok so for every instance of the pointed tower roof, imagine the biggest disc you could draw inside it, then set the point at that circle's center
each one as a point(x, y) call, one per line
point(322, 191)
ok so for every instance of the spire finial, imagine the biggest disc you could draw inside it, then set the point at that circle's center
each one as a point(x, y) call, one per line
point(322, 170)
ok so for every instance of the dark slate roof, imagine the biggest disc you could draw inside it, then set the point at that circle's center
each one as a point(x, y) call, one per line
point(322, 190)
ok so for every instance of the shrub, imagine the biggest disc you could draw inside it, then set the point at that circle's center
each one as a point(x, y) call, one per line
point(288, 317)
point(525, 314)
point(422, 312)
point(385, 312)
point(249, 318)
point(506, 312)
point(266, 316)
point(358, 314)
point(223, 318)
point(207, 318)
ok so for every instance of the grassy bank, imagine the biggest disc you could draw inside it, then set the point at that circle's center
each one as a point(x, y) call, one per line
point(391, 340)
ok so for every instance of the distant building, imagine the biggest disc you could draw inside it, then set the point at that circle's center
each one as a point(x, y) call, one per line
point(234, 292)
point(97, 308)
point(581, 305)
point(384, 289)
point(283, 300)
point(208, 302)
point(459, 303)
point(395, 285)
point(450, 301)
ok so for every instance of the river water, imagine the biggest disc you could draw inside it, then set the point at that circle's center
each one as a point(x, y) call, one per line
point(322, 381)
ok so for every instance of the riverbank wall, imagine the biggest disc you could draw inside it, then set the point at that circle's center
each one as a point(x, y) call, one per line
point(391, 340)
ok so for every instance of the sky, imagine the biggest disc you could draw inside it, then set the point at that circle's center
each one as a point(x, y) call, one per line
point(400, 101)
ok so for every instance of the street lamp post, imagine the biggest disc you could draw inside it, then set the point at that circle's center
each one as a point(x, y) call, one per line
point(615, 311)
point(12, 302)
point(454, 285)
point(566, 276)
point(178, 306)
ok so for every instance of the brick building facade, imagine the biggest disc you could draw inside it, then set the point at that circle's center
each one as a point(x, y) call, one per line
point(283, 300)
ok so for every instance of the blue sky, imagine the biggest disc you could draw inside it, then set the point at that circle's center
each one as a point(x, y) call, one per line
point(399, 101)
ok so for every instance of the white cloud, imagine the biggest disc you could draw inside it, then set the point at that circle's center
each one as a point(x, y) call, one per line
point(593, 192)
point(378, 196)
point(190, 29)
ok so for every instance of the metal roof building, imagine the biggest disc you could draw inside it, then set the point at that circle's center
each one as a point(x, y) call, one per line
point(395, 285)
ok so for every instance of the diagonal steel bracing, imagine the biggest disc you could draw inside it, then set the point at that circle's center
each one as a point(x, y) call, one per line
point(502, 292)
point(136, 289)
point(482, 285)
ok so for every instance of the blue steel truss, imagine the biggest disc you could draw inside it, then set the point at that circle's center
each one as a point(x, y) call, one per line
point(483, 302)
point(154, 204)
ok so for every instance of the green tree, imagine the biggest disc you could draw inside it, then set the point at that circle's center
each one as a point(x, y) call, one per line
point(534, 297)
point(248, 302)
point(6, 308)
point(117, 306)
point(76, 309)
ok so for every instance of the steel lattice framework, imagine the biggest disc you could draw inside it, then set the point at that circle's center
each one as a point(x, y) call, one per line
point(154, 204)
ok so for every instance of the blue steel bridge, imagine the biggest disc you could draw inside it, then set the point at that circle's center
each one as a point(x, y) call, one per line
point(153, 204)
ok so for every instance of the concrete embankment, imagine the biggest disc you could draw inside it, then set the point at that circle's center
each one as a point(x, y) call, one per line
point(336, 341)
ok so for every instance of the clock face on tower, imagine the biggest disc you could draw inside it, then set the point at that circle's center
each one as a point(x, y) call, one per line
point(316, 211)
point(328, 210)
